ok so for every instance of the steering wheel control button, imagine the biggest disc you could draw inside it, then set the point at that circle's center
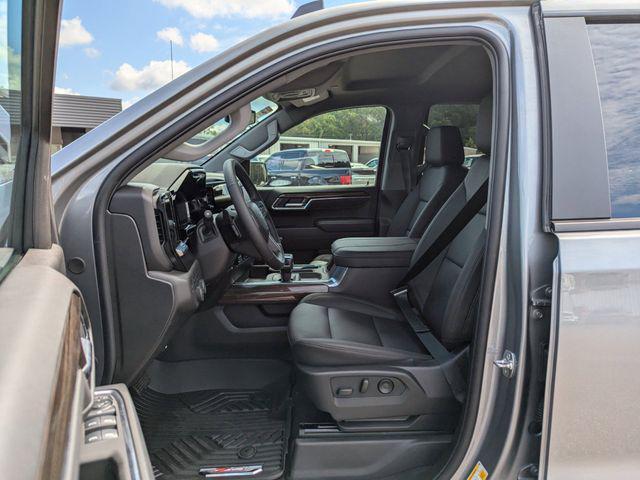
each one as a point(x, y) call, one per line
point(385, 386)
point(201, 290)
point(344, 392)
point(364, 385)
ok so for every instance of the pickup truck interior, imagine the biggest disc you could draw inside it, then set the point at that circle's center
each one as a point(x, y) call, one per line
point(308, 331)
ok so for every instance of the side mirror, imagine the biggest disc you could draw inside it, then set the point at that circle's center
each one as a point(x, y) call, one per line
point(258, 173)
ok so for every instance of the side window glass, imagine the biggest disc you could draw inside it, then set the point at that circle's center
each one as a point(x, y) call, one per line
point(616, 54)
point(462, 116)
point(10, 101)
point(340, 147)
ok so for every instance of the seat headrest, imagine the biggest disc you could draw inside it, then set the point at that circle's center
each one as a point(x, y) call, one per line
point(478, 174)
point(483, 125)
point(444, 146)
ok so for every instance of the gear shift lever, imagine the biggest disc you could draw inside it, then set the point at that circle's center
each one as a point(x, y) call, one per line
point(287, 268)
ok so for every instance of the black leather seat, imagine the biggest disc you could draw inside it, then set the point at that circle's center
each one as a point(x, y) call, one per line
point(444, 172)
point(335, 329)
point(332, 329)
point(333, 333)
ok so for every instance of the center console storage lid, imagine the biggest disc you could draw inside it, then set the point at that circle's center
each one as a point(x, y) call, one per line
point(371, 252)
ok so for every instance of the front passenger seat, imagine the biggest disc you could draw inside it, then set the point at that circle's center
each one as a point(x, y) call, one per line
point(444, 172)
point(359, 360)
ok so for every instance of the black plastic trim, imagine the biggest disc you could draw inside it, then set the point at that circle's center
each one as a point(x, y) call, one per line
point(580, 174)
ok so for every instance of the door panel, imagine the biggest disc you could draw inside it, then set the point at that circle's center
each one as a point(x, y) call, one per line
point(40, 333)
point(309, 220)
point(592, 413)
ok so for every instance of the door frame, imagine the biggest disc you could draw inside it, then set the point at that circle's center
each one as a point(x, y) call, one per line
point(388, 25)
point(32, 222)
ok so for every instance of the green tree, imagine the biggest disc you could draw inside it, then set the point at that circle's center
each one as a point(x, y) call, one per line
point(462, 116)
point(363, 123)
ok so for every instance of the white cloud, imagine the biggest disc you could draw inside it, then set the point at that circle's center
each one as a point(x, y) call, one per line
point(227, 8)
point(72, 32)
point(92, 52)
point(129, 102)
point(65, 91)
point(153, 75)
point(170, 34)
point(202, 42)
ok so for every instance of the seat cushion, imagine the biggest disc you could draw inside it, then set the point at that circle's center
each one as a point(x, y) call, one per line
point(331, 329)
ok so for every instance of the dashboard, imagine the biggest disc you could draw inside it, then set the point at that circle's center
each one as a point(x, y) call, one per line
point(178, 210)
point(167, 254)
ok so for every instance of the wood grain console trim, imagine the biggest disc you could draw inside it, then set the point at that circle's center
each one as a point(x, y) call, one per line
point(270, 293)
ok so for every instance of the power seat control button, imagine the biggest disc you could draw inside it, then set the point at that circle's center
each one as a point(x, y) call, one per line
point(364, 385)
point(344, 392)
point(385, 386)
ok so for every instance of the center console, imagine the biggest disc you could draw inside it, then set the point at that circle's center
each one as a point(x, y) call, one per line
point(292, 273)
point(366, 267)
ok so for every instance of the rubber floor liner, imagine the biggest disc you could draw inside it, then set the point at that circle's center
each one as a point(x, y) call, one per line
point(189, 431)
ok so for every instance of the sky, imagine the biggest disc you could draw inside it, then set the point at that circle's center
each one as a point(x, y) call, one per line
point(121, 49)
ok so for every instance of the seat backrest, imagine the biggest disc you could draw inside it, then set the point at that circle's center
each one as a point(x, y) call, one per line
point(444, 156)
point(445, 291)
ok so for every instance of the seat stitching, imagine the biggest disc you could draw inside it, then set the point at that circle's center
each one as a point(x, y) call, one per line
point(451, 260)
point(375, 329)
point(397, 352)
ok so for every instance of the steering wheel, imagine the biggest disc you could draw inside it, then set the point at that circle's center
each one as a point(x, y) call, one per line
point(253, 214)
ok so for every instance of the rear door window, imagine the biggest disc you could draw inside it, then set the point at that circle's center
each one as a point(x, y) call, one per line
point(339, 143)
point(616, 54)
point(463, 116)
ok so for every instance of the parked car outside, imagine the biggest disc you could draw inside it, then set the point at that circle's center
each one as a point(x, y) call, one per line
point(363, 174)
point(308, 166)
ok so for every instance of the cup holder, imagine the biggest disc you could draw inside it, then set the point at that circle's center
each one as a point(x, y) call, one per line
point(306, 275)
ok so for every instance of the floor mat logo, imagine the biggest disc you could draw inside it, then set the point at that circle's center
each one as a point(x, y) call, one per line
point(221, 472)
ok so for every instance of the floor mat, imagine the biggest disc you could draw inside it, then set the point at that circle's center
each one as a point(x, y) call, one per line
point(212, 428)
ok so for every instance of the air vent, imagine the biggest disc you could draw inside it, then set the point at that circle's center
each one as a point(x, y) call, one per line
point(160, 227)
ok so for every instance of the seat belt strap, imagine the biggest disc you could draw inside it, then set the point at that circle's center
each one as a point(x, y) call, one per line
point(462, 218)
point(450, 369)
point(428, 339)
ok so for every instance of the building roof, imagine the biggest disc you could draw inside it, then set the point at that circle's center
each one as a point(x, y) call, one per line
point(83, 112)
point(77, 111)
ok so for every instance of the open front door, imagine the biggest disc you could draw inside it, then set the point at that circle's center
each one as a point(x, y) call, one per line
point(45, 359)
